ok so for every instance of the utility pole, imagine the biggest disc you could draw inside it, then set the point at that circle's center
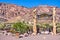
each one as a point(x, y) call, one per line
point(54, 21)
point(34, 21)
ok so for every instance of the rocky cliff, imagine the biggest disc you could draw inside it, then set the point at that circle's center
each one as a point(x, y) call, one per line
point(12, 13)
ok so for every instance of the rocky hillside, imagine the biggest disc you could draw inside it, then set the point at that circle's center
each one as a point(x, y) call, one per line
point(13, 13)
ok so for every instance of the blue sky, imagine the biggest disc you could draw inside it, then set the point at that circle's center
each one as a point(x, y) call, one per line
point(33, 3)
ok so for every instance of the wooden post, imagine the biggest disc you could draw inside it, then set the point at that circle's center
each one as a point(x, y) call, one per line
point(54, 21)
point(34, 21)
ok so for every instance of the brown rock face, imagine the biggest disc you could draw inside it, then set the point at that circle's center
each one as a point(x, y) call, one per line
point(11, 12)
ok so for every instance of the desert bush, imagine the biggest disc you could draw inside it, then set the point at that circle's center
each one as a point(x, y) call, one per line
point(20, 27)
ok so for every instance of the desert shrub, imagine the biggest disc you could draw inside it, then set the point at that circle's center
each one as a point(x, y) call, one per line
point(1, 26)
point(20, 27)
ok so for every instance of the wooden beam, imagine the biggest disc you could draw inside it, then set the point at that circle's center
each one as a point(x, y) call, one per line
point(34, 21)
point(54, 21)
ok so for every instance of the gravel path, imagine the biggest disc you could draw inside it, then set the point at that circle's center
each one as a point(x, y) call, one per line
point(37, 37)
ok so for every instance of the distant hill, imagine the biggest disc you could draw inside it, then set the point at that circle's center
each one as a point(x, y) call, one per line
point(12, 13)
